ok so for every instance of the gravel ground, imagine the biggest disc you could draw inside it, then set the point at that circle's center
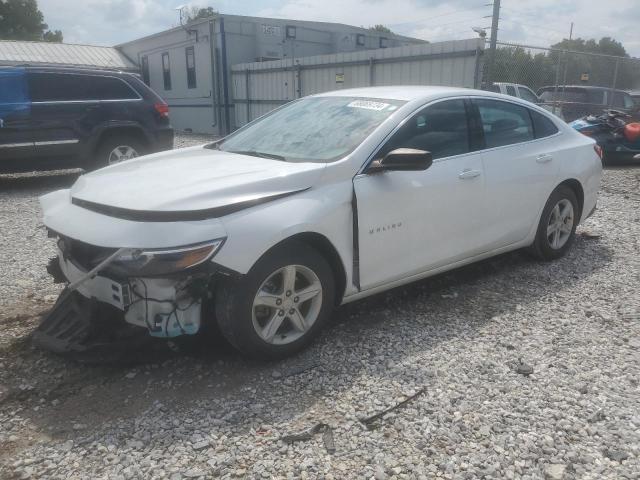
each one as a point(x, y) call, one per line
point(455, 347)
point(23, 264)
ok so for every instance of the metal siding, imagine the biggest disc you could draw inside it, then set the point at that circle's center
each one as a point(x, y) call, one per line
point(46, 53)
point(273, 83)
point(246, 42)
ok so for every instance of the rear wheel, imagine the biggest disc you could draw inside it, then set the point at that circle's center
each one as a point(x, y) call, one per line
point(118, 148)
point(280, 306)
point(557, 226)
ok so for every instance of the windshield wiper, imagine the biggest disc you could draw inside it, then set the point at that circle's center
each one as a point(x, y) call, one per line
point(254, 153)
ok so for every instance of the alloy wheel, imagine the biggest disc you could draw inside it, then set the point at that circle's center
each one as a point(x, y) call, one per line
point(287, 304)
point(121, 153)
point(560, 224)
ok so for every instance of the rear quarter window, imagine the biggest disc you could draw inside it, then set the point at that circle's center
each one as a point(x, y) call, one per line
point(110, 88)
point(542, 126)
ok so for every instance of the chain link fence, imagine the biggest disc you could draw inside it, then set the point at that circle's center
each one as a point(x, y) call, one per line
point(557, 76)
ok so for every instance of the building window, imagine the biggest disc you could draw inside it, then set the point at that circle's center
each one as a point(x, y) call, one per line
point(191, 67)
point(384, 41)
point(360, 39)
point(145, 70)
point(291, 31)
point(166, 71)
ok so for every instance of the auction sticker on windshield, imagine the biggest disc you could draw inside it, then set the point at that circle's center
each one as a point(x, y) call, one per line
point(368, 104)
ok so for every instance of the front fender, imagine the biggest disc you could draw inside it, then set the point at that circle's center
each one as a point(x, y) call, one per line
point(324, 210)
point(100, 131)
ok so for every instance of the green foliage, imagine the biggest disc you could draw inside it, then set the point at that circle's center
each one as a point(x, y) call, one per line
point(524, 66)
point(197, 13)
point(52, 36)
point(380, 28)
point(22, 20)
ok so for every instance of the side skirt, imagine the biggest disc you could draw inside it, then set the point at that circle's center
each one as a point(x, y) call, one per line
point(432, 272)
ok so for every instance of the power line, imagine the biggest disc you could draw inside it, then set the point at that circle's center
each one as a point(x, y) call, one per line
point(450, 23)
point(533, 25)
point(437, 16)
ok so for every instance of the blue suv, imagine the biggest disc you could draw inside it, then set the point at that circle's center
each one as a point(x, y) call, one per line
point(52, 118)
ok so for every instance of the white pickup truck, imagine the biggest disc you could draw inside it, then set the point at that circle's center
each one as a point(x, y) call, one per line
point(515, 90)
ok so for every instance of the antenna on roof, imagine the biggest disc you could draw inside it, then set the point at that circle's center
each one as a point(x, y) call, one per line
point(180, 9)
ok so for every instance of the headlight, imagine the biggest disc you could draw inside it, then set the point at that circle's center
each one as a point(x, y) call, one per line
point(161, 262)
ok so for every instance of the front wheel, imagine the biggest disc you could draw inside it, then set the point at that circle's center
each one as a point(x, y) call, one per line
point(557, 226)
point(280, 306)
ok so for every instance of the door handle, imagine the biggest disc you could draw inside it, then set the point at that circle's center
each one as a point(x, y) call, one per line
point(544, 158)
point(1, 123)
point(469, 174)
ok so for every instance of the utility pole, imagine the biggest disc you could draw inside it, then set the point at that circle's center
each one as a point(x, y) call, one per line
point(494, 39)
point(566, 63)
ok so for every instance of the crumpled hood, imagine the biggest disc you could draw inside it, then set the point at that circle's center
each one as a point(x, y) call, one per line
point(192, 179)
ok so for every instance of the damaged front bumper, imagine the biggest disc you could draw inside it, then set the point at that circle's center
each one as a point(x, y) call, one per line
point(165, 306)
point(99, 299)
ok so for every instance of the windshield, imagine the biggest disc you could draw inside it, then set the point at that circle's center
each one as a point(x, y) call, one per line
point(315, 129)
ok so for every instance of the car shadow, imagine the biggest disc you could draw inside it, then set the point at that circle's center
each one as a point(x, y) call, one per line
point(190, 371)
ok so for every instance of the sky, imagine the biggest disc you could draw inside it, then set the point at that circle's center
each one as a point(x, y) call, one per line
point(531, 22)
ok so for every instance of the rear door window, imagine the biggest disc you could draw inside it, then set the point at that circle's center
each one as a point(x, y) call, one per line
point(511, 90)
point(504, 123)
point(596, 97)
point(57, 87)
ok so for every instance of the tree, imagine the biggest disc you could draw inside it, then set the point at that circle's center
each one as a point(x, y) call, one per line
point(380, 28)
point(197, 13)
point(52, 36)
point(22, 20)
point(520, 65)
point(599, 68)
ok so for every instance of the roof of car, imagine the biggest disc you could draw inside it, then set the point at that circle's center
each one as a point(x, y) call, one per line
point(577, 87)
point(404, 92)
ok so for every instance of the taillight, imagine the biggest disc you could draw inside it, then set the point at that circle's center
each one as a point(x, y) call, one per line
point(162, 109)
point(598, 150)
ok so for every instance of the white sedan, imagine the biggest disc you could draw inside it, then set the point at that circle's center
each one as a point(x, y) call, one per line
point(324, 201)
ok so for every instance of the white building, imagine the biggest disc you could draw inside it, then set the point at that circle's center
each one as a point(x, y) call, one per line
point(190, 66)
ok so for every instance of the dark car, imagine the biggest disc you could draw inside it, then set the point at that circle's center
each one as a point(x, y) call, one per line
point(68, 117)
point(581, 100)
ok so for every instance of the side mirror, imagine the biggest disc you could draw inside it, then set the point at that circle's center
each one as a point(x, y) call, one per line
point(405, 159)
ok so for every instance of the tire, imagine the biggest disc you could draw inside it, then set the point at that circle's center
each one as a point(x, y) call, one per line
point(552, 243)
point(244, 324)
point(104, 153)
